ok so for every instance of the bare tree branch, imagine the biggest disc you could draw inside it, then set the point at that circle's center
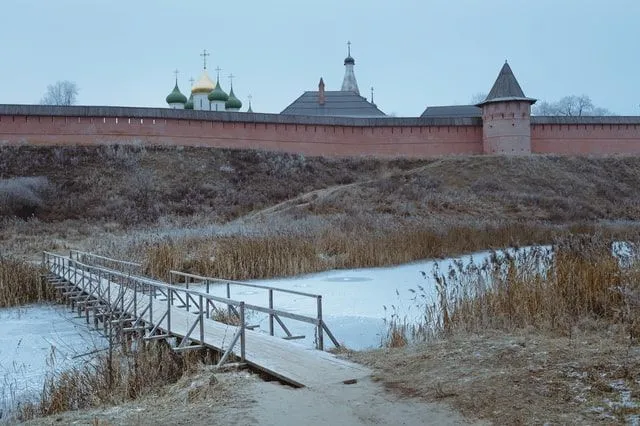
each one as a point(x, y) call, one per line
point(61, 93)
point(478, 97)
point(570, 106)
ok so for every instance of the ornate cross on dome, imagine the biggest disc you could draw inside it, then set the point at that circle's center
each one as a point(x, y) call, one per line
point(218, 69)
point(371, 94)
point(192, 80)
point(231, 77)
point(204, 55)
point(348, 48)
point(176, 72)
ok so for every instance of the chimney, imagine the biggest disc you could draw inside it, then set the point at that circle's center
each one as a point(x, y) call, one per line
point(321, 92)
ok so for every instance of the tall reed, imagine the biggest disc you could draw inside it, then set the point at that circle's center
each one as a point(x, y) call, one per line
point(551, 290)
point(128, 376)
point(254, 257)
point(20, 283)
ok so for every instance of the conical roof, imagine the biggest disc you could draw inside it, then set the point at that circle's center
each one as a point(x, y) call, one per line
point(176, 97)
point(506, 88)
point(189, 104)
point(218, 94)
point(232, 102)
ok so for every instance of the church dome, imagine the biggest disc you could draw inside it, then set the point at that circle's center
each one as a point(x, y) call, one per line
point(176, 97)
point(203, 85)
point(218, 94)
point(233, 102)
point(349, 60)
point(189, 104)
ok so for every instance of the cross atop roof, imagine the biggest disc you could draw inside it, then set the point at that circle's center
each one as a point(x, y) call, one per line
point(349, 48)
point(218, 69)
point(176, 72)
point(204, 55)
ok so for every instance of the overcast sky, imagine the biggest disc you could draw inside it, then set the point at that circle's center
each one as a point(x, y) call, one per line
point(415, 53)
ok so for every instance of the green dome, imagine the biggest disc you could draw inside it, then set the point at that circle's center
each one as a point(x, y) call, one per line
point(218, 94)
point(189, 104)
point(232, 102)
point(176, 97)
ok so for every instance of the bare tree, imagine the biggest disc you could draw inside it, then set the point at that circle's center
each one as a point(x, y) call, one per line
point(478, 97)
point(570, 106)
point(61, 93)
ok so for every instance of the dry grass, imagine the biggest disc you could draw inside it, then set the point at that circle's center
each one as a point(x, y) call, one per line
point(252, 257)
point(20, 283)
point(133, 185)
point(149, 185)
point(549, 290)
point(581, 281)
point(527, 338)
point(129, 376)
point(524, 377)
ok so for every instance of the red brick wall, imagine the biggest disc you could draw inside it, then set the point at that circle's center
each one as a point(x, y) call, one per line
point(395, 137)
point(308, 139)
point(586, 139)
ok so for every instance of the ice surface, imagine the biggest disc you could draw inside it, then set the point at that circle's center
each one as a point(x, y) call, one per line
point(37, 340)
point(354, 300)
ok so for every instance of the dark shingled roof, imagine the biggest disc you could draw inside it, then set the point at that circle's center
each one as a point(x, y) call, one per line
point(336, 104)
point(506, 88)
point(453, 111)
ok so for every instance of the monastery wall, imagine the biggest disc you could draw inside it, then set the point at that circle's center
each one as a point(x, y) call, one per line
point(585, 135)
point(331, 136)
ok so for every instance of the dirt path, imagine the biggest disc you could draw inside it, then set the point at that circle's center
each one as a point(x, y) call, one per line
point(242, 398)
point(363, 403)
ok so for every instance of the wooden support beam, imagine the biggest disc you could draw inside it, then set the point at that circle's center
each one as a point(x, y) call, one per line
point(158, 337)
point(132, 329)
point(293, 337)
point(231, 366)
point(188, 348)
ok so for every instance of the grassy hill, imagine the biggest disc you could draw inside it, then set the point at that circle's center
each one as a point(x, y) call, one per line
point(133, 185)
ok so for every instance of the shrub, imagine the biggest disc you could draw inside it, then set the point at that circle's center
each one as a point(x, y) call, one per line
point(23, 196)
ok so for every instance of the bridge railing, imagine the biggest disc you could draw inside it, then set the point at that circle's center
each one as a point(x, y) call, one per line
point(95, 259)
point(140, 298)
point(274, 315)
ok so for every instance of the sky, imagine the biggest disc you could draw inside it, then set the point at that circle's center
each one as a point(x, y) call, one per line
point(413, 52)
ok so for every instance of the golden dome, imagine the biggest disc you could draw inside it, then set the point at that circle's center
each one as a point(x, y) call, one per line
point(203, 85)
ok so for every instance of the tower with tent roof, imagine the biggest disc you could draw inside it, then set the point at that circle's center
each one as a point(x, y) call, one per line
point(506, 116)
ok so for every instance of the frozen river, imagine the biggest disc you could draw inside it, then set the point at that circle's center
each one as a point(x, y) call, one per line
point(356, 302)
point(37, 340)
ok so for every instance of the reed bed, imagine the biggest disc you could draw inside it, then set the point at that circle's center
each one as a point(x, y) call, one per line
point(20, 283)
point(577, 282)
point(127, 376)
point(255, 257)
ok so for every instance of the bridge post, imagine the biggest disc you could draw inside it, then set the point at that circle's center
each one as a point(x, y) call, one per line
point(151, 294)
point(169, 303)
point(320, 344)
point(135, 298)
point(201, 315)
point(242, 332)
point(271, 312)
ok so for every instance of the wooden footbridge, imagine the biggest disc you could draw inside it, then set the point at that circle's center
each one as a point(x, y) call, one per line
point(114, 293)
